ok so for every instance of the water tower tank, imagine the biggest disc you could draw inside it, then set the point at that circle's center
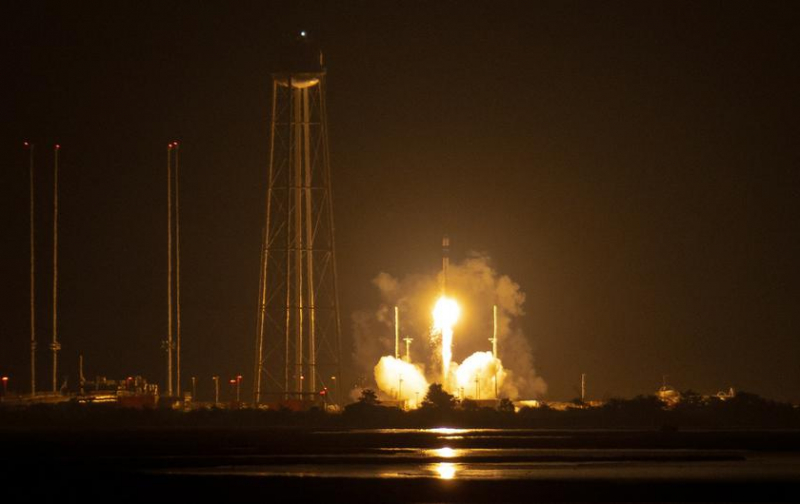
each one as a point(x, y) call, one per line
point(301, 63)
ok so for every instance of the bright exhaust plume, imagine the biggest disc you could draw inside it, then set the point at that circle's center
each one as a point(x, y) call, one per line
point(401, 380)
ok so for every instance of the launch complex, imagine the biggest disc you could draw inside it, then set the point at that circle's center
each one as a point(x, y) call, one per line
point(479, 377)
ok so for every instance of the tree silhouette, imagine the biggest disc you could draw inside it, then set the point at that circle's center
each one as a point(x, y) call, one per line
point(369, 398)
point(438, 398)
point(505, 405)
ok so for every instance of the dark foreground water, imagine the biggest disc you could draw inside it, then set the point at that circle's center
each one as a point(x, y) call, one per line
point(435, 465)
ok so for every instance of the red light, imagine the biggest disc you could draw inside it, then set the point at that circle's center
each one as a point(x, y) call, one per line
point(26, 144)
point(58, 146)
point(5, 378)
point(233, 381)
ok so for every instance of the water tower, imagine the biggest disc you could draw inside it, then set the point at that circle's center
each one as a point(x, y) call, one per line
point(298, 338)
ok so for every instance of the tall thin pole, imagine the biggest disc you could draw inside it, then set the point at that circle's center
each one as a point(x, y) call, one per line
point(288, 328)
point(396, 333)
point(329, 185)
point(298, 244)
point(583, 387)
point(169, 270)
point(309, 246)
point(55, 346)
point(29, 146)
point(216, 390)
point(81, 379)
point(445, 262)
point(494, 346)
point(259, 324)
point(177, 267)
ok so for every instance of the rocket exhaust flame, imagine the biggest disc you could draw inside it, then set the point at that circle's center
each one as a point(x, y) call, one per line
point(445, 315)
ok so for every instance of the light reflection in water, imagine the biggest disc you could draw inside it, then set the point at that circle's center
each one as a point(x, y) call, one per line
point(446, 470)
point(445, 452)
point(445, 430)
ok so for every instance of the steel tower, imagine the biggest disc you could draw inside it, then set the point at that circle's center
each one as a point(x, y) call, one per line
point(298, 337)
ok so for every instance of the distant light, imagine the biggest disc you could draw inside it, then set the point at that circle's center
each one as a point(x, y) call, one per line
point(25, 144)
point(58, 146)
point(5, 378)
point(233, 381)
point(302, 33)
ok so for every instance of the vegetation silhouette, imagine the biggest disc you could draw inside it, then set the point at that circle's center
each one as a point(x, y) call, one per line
point(438, 398)
point(439, 408)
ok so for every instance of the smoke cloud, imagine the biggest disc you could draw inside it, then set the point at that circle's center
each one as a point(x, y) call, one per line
point(476, 286)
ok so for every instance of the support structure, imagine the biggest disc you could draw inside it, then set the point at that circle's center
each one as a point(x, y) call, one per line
point(298, 330)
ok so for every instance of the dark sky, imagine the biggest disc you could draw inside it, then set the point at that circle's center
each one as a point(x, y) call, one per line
point(632, 165)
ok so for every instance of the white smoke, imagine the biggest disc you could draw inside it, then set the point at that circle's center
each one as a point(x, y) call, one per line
point(476, 376)
point(476, 286)
point(401, 381)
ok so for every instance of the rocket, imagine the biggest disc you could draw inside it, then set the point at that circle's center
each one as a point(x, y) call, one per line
point(445, 262)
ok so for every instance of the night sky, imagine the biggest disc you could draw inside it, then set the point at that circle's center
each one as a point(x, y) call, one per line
point(632, 165)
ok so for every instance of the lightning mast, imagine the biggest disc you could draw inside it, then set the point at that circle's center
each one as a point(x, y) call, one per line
point(299, 331)
point(29, 146)
point(493, 339)
point(396, 333)
point(168, 343)
point(55, 346)
point(177, 152)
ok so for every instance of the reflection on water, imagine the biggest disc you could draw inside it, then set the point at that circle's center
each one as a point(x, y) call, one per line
point(446, 470)
point(446, 430)
point(397, 457)
point(444, 452)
